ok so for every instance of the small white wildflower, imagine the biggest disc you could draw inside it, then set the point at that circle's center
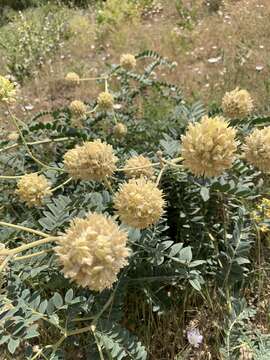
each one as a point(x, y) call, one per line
point(194, 337)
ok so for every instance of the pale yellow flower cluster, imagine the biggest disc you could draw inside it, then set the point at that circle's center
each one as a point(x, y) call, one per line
point(93, 251)
point(13, 136)
point(94, 160)
point(7, 91)
point(119, 130)
point(237, 104)
point(77, 108)
point(139, 203)
point(246, 352)
point(72, 78)
point(257, 149)
point(105, 101)
point(209, 146)
point(138, 166)
point(128, 61)
point(33, 189)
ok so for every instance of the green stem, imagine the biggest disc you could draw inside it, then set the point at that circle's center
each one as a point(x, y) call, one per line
point(13, 118)
point(26, 257)
point(39, 142)
point(23, 228)
point(26, 246)
point(61, 185)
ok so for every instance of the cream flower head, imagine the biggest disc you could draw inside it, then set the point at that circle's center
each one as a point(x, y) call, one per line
point(138, 166)
point(93, 251)
point(105, 101)
point(119, 130)
point(7, 90)
point(77, 108)
point(72, 78)
point(139, 203)
point(128, 61)
point(92, 161)
point(237, 103)
point(209, 146)
point(32, 189)
point(257, 149)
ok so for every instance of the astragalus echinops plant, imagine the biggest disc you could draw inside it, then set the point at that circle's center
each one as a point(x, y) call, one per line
point(104, 201)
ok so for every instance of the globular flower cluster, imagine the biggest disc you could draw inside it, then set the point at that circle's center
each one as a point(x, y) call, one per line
point(94, 160)
point(237, 104)
point(139, 203)
point(33, 189)
point(105, 101)
point(119, 130)
point(77, 108)
point(208, 147)
point(128, 61)
point(138, 166)
point(13, 136)
point(257, 149)
point(7, 90)
point(72, 78)
point(93, 251)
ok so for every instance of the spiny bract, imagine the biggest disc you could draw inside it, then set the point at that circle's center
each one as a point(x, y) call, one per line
point(92, 251)
point(139, 203)
point(209, 146)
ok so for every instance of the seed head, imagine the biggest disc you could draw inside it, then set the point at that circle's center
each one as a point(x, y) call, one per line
point(120, 130)
point(77, 108)
point(72, 78)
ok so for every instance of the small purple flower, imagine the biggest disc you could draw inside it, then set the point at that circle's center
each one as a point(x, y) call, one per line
point(194, 337)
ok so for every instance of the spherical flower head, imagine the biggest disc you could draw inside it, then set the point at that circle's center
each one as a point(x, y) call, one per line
point(138, 166)
point(105, 101)
point(7, 91)
point(93, 251)
point(208, 147)
point(32, 189)
point(13, 136)
point(94, 160)
point(257, 149)
point(77, 108)
point(72, 78)
point(139, 203)
point(128, 61)
point(120, 130)
point(237, 104)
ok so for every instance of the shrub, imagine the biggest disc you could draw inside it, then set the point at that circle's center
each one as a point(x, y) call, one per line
point(106, 242)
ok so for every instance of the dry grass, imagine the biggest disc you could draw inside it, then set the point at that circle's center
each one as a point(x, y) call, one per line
point(216, 52)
